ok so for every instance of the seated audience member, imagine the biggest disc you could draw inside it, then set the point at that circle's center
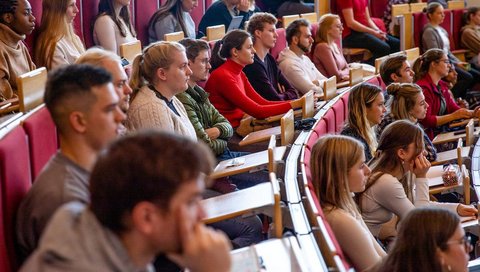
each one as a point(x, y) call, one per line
point(294, 63)
point(230, 91)
point(16, 21)
point(470, 37)
point(158, 74)
point(366, 107)
point(173, 16)
point(327, 57)
point(145, 201)
point(84, 106)
point(221, 13)
point(361, 32)
point(113, 64)
point(292, 7)
point(210, 126)
point(396, 69)
point(398, 181)
point(387, 14)
point(264, 74)
point(407, 102)
point(112, 26)
point(58, 44)
point(435, 36)
point(339, 170)
point(429, 239)
point(429, 70)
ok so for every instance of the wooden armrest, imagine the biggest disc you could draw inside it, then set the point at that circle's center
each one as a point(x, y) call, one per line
point(343, 84)
point(260, 136)
point(237, 203)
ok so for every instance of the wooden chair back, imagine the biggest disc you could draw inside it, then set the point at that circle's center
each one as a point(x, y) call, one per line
point(417, 7)
point(379, 62)
point(456, 4)
point(308, 105)
point(215, 32)
point(310, 17)
point(400, 9)
point(277, 208)
point(470, 136)
point(272, 165)
point(412, 54)
point(288, 19)
point(356, 75)
point(174, 36)
point(459, 152)
point(130, 50)
point(466, 185)
point(31, 88)
point(287, 125)
point(330, 88)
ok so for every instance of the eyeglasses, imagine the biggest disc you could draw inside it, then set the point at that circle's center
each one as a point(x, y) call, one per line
point(444, 60)
point(465, 240)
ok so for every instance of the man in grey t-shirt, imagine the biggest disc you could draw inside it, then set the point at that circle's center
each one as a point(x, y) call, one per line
point(85, 108)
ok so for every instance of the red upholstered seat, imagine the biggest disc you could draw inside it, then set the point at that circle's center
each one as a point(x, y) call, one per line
point(377, 8)
point(329, 229)
point(43, 141)
point(321, 128)
point(457, 18)
point(345, 102)
point(143, 11)
point(312, 139)
point(419, 20)
point(330, 119)
point(14, 183)
point(280, 44)
point(89, 11)
point(338, 109)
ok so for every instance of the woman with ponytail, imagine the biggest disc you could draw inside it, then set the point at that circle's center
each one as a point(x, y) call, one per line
point(398, 181)
point(429, 69)
point(158, 74)
point(406, 101)
point(230, 91)
point(58, 44)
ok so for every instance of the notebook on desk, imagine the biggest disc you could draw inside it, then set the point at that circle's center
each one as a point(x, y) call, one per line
point(235, 23)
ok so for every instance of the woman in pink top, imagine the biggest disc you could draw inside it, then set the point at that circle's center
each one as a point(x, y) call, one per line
point(327, 57)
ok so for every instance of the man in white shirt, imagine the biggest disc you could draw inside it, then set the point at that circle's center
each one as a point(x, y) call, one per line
point(296, 66)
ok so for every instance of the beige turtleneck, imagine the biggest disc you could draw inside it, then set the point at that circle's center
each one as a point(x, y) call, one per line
point(14, 60)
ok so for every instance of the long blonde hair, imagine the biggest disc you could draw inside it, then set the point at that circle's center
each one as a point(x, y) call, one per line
point(332, 157)
point(362, 97)
point(156, 55)
point(324, 24)
point(53, 28)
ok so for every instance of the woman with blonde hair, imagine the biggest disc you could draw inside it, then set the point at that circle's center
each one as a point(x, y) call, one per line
point(58, 44)
point(398, 181)
point(158, 74)
point(407, 102)
point(112, 26)
point(366, 107)
point(338, 170)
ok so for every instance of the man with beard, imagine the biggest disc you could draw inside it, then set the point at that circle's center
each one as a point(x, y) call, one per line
point(297, 67)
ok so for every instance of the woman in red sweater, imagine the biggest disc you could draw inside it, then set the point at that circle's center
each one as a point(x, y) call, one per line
point(429, 69)
point(230, 92)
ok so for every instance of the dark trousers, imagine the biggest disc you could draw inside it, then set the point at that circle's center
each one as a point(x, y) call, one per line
point(378, 47)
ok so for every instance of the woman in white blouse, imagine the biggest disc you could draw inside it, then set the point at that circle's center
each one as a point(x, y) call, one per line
point(57, 43)
point(398, 181)
point(112, 26)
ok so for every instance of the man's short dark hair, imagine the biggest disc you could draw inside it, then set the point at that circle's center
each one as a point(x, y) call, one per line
point(149, 166)
point(194, 47)
point(293, 29)
point(69, 88)
point(391, 65)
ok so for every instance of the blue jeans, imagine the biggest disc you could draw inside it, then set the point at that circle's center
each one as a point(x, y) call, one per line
point(230, 155)
point(378, 47)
